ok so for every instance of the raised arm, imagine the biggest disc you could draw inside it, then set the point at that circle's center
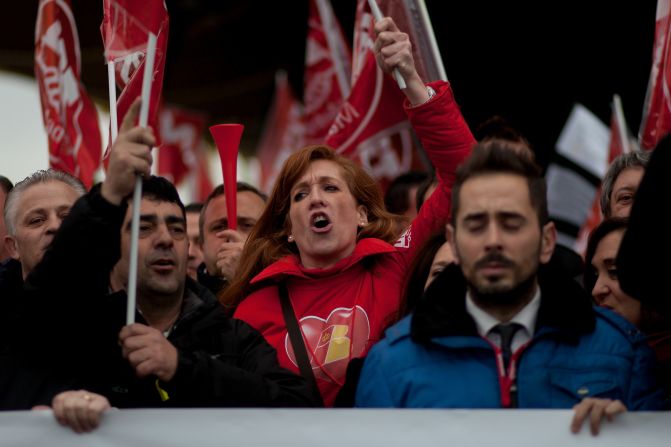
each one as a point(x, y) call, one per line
point(438, 122)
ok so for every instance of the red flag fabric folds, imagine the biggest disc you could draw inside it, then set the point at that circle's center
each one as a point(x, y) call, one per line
point(371, 126)
point(283, 132)
point(69, 116)
point(656, 122)
point(203, 182)
point(181, 133)
point(327, 71)
point(125, 29)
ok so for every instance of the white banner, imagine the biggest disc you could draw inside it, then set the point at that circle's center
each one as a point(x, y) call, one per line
point(337, 428)
point(585, 140)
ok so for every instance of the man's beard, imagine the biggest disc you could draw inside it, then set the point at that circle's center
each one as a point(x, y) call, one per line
point(497, 295)
point(493, 296)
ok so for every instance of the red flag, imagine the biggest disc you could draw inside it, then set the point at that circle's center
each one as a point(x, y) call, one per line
point(181, 132)
point(619, 144)
point(656, 122)
point(203, 182)
point(283, 132)
point(70, 118)
point(371, 126)
point(327, 71)
point(125, 29)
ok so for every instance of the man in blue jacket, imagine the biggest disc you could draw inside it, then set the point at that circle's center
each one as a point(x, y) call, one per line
point(501, 328)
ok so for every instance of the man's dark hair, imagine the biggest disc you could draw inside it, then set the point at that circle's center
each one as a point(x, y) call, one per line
point(195, 207)
point(423, 188)
point(396, 198)
point(502, 157)
point(6, 184)
point(161, 190)
point(497, 127)
point(216, 192)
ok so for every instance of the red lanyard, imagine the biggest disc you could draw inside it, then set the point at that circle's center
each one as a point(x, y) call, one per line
point(507, 379)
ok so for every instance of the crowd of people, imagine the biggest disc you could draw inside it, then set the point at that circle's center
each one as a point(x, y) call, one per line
point(443, 294)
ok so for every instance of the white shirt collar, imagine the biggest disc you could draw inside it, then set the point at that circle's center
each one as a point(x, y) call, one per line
point(526, 317)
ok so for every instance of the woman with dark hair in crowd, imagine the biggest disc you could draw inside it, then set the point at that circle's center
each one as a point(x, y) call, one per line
point(320, 276)
point(602, 279)
point(434, 255)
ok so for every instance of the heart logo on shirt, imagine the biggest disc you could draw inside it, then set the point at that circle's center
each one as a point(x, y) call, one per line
point(333, 341)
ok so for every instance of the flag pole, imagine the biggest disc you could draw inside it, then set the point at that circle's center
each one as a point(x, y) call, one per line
point(326, 15)
point(621, 123)
point(377, 15)
point(433, 43)
point(111, 84)
point(137, 193)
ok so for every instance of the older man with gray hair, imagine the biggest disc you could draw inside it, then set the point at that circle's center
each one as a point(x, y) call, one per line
point(34, 210)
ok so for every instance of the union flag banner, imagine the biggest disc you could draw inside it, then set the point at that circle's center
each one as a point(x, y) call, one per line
point(619, 144)
point(125, 29)
point(574, 175)
point(181, 131)
point(327, 71)
point(656, 122)
point(283, 132)
point(371, 126)
point(69, 116)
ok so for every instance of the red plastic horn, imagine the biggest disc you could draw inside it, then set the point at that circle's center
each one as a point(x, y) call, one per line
point(227, 139)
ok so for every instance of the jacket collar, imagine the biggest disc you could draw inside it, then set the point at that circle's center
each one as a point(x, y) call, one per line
point(197, 300)
point(291, 265)
point(566, 308)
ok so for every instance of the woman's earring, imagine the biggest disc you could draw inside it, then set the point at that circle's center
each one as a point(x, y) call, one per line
point(290, 238)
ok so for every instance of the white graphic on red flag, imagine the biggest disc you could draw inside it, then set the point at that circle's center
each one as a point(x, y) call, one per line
point(125, 29)
point(69, 116)
point(181, 132)
point(372, 127)
point(327, 71)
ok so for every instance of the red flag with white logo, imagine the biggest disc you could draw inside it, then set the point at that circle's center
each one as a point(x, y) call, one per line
point(327, 71)
point(283, 132)
point(181, 131)
point(371, 126)
point(619, 144)
point(69, 116)
point(656, 122)
point(125, 29)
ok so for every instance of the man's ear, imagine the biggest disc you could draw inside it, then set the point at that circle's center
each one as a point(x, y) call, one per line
point(10, 246)
point(548, 242)
point(450, 236)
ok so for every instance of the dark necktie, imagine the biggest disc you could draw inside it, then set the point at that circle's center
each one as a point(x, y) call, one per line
point(507, 332)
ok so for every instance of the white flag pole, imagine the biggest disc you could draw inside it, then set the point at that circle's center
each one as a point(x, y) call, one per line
point(377, 15)
point(426, 21)
point(334, 44)
point(621, 123)
point(111, 84)
point(137, 194)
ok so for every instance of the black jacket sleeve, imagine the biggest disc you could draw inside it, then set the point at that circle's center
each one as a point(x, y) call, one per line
point(242, 371)
point(62, 310)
